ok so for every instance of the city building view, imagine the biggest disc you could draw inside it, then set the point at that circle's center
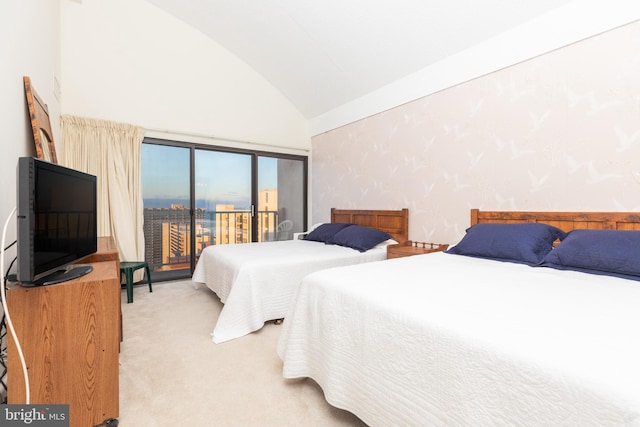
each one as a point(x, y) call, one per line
point(167, 230)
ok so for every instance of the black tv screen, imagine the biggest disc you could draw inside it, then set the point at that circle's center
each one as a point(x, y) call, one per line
point(56, 221)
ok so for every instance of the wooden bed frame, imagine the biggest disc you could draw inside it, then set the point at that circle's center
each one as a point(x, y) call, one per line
point(566, 221)
point(394, 222)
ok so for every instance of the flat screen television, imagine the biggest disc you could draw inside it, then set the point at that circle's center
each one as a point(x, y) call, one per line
point(56, 222)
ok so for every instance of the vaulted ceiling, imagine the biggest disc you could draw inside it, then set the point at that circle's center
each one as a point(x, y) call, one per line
point(324, 53)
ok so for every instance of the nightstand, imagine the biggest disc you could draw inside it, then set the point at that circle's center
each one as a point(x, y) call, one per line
point(410, 248)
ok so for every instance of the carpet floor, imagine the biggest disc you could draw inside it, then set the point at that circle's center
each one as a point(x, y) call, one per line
point(173, 374)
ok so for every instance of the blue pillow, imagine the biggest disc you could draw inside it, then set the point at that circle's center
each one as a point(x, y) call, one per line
point(324, 232)
point(608, 252)
point(525, 243)
point(359, 237)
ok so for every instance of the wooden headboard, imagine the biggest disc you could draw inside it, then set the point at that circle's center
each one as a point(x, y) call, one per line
point(565, 221)
point(394, 222)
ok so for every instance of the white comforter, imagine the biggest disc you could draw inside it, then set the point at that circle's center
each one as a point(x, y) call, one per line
point(448, 340)
point(256, 281)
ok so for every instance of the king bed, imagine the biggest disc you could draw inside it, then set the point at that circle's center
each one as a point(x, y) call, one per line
point(523, 322)
point(256, 281)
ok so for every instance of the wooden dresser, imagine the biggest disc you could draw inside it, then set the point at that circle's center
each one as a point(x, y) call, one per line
point(70, 335)
point(107, 251)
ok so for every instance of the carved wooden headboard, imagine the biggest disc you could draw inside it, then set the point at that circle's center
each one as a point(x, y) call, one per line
point(394, 222)
point(565, 221)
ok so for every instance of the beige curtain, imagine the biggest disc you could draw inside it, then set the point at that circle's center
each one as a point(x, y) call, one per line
point(111, 151)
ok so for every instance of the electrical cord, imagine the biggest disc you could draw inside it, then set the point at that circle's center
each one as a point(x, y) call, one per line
point(8, 317)
point(3, 360)
point(9, 277)
point(12, 243)
point(3, 337)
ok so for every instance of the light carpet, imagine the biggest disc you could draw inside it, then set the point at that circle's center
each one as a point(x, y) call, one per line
point(172, 374)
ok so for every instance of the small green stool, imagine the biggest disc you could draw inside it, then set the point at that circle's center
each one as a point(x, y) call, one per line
point(127, 268)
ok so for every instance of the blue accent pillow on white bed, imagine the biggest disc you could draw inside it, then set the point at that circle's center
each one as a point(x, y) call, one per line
point(608, 252)
point(324, 232)
point(525, 243)
point(359, 237)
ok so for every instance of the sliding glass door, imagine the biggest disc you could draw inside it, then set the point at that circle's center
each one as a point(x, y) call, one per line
point(222, 197)
point(167, 201)
point(281, 189)
point(195, 196)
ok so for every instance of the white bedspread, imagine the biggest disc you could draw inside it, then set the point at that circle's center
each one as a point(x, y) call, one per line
point(447, 340)
point(256, 281)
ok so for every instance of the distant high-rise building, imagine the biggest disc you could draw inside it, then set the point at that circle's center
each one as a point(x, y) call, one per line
point(232, 226)
point(267, 214)
point(167, 231)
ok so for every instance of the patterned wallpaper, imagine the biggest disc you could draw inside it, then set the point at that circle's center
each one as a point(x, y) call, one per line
point(559, 132)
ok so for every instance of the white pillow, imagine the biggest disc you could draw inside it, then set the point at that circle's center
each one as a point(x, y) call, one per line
point(385, 244)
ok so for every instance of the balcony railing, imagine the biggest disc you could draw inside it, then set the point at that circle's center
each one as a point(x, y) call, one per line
point(212, 228)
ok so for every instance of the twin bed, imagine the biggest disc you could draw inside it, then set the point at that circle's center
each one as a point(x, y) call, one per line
point(522, 324)
point(256, 281)
point(532, 319)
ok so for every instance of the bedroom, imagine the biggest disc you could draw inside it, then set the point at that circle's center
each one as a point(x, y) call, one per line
point(587, 173)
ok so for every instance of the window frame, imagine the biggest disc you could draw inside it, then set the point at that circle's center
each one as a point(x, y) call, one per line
point(255, 154)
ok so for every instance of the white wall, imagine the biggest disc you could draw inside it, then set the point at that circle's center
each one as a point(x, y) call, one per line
point(129, 61)
point(560, 132)
point(29, 46)
point(560, 27)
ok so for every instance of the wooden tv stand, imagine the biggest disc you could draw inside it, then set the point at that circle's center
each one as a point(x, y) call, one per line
point(70, 335)
point(107, 251)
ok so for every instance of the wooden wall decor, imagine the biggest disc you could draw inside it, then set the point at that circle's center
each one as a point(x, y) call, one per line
point(40, 124)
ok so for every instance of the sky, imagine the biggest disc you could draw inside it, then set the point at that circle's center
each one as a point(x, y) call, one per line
point(219, 175)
